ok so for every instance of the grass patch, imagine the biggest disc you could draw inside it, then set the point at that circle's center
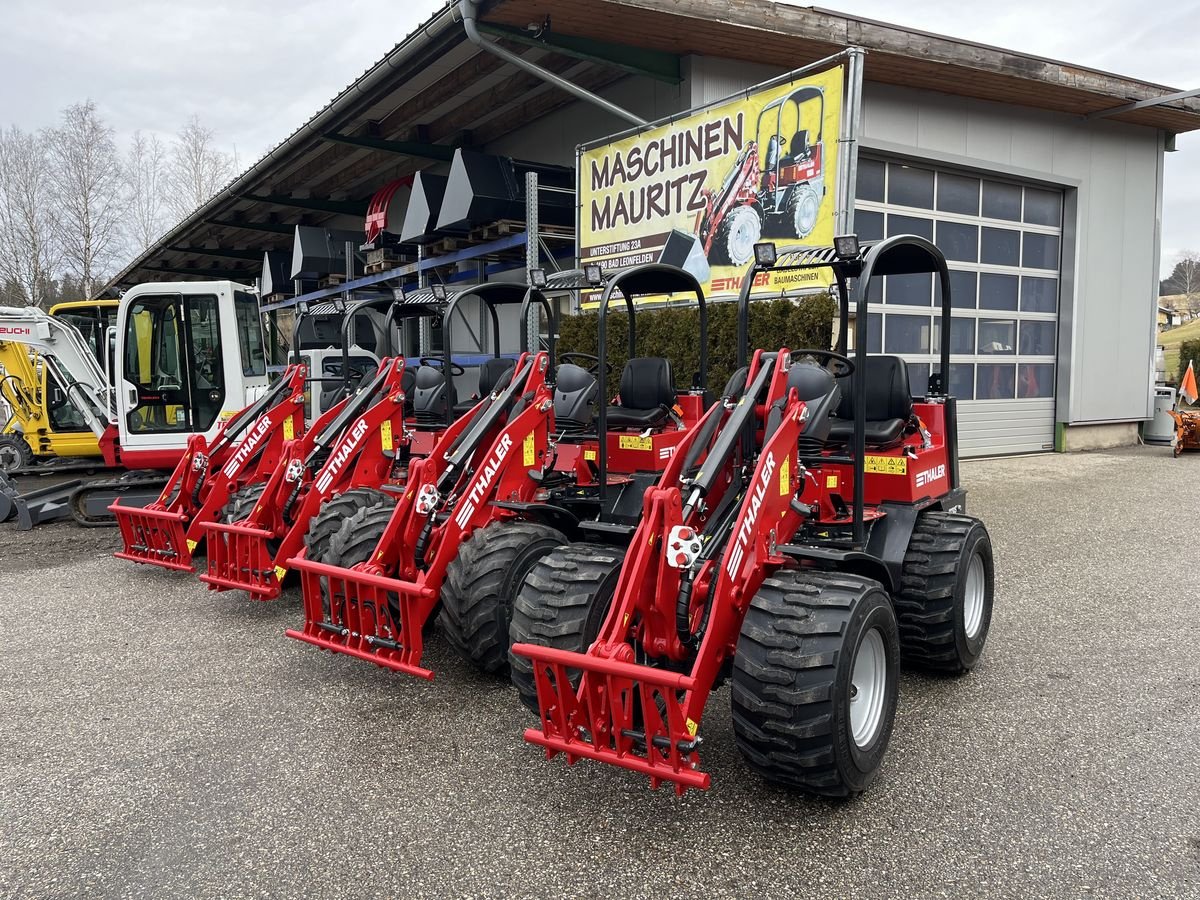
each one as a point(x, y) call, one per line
point(1171, 340)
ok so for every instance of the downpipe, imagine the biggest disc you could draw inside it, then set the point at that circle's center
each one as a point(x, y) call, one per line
point(469, 10)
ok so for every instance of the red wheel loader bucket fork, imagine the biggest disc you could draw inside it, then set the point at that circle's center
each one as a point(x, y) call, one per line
point(367, 616)
point(353, 443)
point(245, 451)
point(376, 610)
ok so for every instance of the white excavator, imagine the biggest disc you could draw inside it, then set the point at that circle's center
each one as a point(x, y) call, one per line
point(186, 357)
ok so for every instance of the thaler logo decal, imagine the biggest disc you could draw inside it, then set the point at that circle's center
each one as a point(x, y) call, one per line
point(481, 483)
point(756, 501)
point(930, 475)
point(339, 458)
point(247, 447)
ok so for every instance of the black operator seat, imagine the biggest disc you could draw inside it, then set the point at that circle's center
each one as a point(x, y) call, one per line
point(816, 386)
point(888, 399)
point(494, 375)
point(408, 381)
point(431, 395)
point(575, 391)
point(647, 394)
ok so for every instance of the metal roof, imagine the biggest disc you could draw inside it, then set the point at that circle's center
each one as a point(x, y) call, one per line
point(435, 91)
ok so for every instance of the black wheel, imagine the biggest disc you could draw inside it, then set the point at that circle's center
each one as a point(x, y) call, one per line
point(944, 605)
point(815, 681)
point(736, 236)
point(481, 582)
point(318, 540)
point(355, 542)
point(241, 503)
point(15, 454)
point(562, 604)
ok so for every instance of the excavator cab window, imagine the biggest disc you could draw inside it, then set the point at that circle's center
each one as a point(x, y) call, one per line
point(173, 356)
point(250, 334)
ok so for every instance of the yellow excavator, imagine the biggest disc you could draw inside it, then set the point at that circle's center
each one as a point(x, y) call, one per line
point(39, 421)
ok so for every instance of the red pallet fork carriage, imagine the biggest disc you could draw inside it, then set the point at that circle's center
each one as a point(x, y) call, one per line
point(750, 564)
point(245, 451)
point(376, 611)
point(354, 443)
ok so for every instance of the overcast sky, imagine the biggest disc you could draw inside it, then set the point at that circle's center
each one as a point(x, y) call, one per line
point(254, 70)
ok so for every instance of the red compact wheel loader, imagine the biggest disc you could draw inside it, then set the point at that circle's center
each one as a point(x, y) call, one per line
point(522, 475)
point(244, 452)
point(802, 541)
point(358, 453)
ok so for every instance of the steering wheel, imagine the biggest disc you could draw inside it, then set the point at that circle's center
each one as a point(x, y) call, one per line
point(437, 362)
point(843, 365)
point(570, 356)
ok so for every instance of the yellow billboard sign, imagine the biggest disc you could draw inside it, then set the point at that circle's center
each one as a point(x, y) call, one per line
point(700, 191)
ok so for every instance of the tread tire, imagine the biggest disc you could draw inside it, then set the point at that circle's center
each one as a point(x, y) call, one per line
point(929, 604)
point(318, 540)
point(356, 540)
point(241, 503)
point(482, 582)
point(22, 452)
point(562, 604)
point(791, 682)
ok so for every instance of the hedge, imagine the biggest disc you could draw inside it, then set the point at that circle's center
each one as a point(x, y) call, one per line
point(1188, 350)
point(673, 332)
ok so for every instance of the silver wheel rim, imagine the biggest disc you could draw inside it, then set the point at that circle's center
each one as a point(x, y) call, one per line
point(973, 595)
point(807, 211)
point(868, 687)
point(10, 459)
point(745, 232)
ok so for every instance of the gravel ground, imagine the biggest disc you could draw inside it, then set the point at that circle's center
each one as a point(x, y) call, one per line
point(158, 740)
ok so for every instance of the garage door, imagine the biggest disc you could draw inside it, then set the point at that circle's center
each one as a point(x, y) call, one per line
point(1003, 244)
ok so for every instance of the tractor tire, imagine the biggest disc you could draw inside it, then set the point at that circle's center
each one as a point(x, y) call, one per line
point(355, 542)
point(318, 540)
point(736, 236)
point(944, 605)
point(802, 211)
point(15, 454)
point(815, 681)
point(482, 582)
point(562, 604)
point(241, 503)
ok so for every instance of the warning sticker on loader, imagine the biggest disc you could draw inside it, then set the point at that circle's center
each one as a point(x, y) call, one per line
point(528, 450)
point(635, 442)
point(385, 434)
point(289, 430)
point(886, 465)
point(698, 192)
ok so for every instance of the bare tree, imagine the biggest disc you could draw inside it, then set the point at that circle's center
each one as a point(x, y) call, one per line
point(197, 169)
point(29, 252)
point(1185, 279)
point(88, 192)
point(146, 188)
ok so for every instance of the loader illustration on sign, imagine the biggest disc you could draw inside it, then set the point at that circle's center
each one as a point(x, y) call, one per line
point(775, 193)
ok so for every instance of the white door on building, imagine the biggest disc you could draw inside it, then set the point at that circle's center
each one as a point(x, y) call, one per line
point(1003, 242)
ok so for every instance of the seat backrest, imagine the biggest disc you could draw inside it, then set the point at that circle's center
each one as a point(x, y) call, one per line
point(887, 391)
point(575, 392)
point(817, 387)
point(494, 374)
point(430, 395)
point(647, 383)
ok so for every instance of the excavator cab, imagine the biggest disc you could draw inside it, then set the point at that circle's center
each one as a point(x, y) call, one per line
point(188, 356)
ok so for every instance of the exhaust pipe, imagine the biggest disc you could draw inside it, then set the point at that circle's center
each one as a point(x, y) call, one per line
point(469, 9)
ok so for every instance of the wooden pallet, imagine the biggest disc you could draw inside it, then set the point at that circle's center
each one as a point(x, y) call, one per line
point(385, 265)
point(330, 281)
